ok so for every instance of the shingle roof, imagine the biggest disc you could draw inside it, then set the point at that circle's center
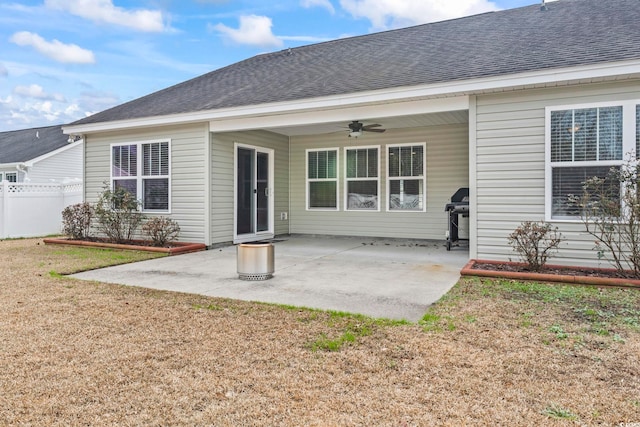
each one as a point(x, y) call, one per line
point(569, 33)
point(27, 144)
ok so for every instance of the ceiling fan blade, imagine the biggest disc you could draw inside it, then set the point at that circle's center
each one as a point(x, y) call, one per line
point(374, 130)
point(374, 125)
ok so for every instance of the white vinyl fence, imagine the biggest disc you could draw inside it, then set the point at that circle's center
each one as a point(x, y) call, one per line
point(32, 210)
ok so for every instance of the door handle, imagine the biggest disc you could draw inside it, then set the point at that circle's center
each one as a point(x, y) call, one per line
point(266, 191)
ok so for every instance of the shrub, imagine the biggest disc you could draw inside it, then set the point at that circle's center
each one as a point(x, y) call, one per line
point(161, 230)
point(534, 242)
point(610, 211)
point(76, 220)
point(118, 214)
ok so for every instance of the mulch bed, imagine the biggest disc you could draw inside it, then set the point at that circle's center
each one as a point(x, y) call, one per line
point(551, 273)
point(173, 248)
point(559, 270)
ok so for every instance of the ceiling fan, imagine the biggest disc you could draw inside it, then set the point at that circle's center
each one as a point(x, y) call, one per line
point(356, 128)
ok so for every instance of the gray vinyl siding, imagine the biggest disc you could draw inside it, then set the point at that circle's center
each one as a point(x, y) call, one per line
point(58, 167)
point(447, 169)
point(187, 171)
point(222, 178)
point(511, 166)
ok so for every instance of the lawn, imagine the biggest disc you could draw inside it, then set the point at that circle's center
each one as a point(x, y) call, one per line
point(489, 353)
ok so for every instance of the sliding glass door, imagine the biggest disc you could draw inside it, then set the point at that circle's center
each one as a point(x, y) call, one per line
point(253, 193)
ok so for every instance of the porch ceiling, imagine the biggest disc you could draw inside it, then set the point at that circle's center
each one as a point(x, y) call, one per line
point(399, 122)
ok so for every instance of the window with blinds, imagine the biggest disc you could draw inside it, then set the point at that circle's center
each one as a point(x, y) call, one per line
point(143, 169)
point(155, 176)
point(583, 143)
point(361, 178)
point(406, 177)
point(124, 167)
point(322, 179)
point(156, 159)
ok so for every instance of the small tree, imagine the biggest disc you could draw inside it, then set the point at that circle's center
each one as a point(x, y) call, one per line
point(118, 214)
point(610, 211)
point(534, 242)
point(76, 220)
point(161, 230)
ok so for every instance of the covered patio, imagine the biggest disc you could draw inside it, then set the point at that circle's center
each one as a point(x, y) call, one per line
point(391, 278)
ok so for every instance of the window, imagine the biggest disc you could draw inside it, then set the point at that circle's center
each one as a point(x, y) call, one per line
point(361, 178)
point(322, 179)
point(583, 143)
point(143, 170)
point(406, 177)
point(9, 176)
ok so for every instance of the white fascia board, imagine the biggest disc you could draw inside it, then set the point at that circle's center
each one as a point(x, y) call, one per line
point(298, 118)
point(11, 166)
point(451, 88)
point(54, 152)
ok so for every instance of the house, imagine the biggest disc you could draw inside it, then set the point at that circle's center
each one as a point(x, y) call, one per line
point(518, 105)
point(40, 155)
point(41, 173)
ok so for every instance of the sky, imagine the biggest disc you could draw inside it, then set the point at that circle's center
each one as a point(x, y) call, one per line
point(61, 60)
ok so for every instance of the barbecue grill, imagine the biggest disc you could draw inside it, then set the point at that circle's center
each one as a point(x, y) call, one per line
point(459, 206)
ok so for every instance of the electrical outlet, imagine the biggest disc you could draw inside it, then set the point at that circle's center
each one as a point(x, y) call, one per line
point(283, 216)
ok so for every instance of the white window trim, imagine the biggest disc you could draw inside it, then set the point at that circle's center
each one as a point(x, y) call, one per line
point(4, 176)
point(336, 179)
point(424, 177)
point(268, 234)
point(628, 146)
point(139, 169)
point(347, 179)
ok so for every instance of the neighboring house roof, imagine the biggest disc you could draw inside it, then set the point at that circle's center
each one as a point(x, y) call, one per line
point(23, 145)
point(568, 33)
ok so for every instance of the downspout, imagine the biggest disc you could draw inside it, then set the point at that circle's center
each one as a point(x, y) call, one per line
point(289, 195)
point(24, 169)
point(473, 178)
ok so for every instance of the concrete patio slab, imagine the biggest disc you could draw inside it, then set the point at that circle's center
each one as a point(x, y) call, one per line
point(389, 278)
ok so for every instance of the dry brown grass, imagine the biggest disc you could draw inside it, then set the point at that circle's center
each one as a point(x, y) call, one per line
point(78, 353)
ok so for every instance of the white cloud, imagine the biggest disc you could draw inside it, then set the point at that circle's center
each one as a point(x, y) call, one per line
point(72, 110)
point(318, 3)
point(385, 14)
point(104, 11)
point(254, 30)
point(3, 71)
point(15, 115)
point(37, 92)
point(18, 111)
point(56, 50)
point(92, 102)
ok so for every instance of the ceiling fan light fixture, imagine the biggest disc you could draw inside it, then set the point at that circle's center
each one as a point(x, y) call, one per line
point(357, 129)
